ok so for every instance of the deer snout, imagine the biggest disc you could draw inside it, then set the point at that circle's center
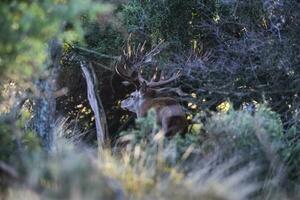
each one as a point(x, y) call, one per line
point(124, 105)
point(128, 105)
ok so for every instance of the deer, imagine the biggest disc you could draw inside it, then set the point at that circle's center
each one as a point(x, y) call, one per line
point(153, 94)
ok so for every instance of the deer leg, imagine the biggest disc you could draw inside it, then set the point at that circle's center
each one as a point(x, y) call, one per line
point(173, 125)
point(164, 125)
point(168, 128)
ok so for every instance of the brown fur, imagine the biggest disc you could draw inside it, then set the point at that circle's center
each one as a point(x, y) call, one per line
point(169, 114)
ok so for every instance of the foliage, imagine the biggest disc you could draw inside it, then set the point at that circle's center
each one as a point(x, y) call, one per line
point(258, 135)
point(156, 167)
point(8, 145)
point(291, 153)
point(26, 26)
point(244, 57)
point(14, 140)
point(55, 177)
point(243, 52)
point(100, 38)
point(242, 129)
point(158, 20)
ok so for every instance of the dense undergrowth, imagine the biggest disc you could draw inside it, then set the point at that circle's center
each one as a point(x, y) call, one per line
point(234, 155)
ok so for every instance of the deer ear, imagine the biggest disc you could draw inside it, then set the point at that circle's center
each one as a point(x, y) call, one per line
point(143, 87)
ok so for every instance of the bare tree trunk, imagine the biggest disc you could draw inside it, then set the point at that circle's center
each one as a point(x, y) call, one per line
point(45, 104)
point(95, 103)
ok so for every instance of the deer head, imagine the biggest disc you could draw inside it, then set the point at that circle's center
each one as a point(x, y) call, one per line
point(153, 95)
point(146, 91)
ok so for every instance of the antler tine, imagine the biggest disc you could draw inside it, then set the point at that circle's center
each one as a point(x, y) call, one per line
point(157, 49)
point(155, 74)
point(135, 58)
point(143, 47)
point(162, 75)
point(152, 80)
point(126, 70)
point(135, 50)
point(147, 58)
point(164, 82)
point(121, 70)
point(141, 79)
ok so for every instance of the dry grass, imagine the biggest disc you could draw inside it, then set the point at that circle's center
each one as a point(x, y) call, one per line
point(149, 168)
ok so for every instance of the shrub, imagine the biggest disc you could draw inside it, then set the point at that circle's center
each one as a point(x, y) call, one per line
point(259, 135)
point(241, 129)
point(158, 20)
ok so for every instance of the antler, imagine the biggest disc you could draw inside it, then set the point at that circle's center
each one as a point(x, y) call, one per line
point(127, 72)
point(127, 67)
point(134, 58)
point(161, 82)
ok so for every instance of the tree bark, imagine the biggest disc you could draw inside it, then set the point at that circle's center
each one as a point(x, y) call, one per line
point(45, 102)
point(95, 103)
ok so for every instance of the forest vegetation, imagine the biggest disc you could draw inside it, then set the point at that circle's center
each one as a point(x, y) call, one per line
point(66, 67)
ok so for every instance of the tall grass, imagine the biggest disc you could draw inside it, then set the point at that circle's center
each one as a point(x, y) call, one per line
point(238, 158)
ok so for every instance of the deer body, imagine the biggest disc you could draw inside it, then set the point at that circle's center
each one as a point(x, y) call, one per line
point(151, 94)
point(169, 113)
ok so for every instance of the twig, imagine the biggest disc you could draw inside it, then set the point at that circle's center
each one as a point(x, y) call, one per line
point(103, 66)
point(82, 49)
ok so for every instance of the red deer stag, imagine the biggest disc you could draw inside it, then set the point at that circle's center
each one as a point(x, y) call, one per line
point(170, 115)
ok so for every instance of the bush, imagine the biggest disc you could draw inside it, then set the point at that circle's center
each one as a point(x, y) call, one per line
point(243, 130)
point(158, 20)
point(260, 136)
point(152, 166)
